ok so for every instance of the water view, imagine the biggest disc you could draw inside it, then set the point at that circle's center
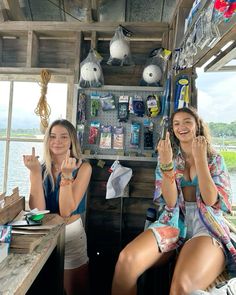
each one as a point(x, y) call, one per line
point(20, 176)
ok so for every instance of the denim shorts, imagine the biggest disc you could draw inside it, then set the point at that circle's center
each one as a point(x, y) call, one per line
point(195, 227)
point(75, 245)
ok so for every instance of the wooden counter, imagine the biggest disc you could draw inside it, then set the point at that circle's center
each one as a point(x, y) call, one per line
point(40, 272)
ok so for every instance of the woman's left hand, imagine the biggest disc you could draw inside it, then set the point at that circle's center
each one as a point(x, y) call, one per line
point(199, 148)
point(68, 165)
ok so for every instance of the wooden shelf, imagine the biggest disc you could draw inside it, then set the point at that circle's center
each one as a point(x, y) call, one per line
point(120, 158)
point(125, 88)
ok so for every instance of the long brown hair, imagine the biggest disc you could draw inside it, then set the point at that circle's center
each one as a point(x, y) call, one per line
point(75, 150)
point(202, 129)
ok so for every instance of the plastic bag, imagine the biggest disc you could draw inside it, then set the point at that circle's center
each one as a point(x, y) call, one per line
point(91, 71)
point(155, 67)
point(120, 49)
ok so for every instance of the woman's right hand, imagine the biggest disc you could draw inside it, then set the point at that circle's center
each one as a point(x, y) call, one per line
point(32, 162)
point(165, 150)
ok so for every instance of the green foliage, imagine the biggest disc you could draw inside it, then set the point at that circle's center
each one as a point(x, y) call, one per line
point(230, 159)
point(223, 129)
point(21, 132)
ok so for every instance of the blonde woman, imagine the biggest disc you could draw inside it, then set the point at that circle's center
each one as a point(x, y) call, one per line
point(60, 185)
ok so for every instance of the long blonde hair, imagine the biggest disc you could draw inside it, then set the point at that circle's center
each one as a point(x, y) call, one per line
point(75, 150)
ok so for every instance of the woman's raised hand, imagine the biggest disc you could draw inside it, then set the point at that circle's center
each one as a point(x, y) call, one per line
point(199, 148)
point(165, 150)
point(32, 162)
point(68, 165)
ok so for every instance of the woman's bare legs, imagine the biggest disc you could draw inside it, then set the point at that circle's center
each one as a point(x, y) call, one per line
point(76, 281)
point(134, 259)
point(199, 263)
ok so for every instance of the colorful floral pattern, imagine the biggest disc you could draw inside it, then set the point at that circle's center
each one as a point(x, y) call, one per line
point(211, 217)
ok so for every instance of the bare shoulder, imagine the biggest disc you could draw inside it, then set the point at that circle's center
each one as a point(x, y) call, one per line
point(85, 167)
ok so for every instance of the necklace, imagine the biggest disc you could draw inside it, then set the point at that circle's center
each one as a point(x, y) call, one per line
point(57, 169)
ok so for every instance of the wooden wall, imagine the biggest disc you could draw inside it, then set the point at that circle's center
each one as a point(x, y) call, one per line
point(111, 224)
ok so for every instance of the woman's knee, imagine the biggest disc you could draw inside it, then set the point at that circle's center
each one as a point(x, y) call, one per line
point(181, 285)
point(127, 261)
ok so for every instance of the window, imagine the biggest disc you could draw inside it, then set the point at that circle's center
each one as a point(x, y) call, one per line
point(19, 128)
point(216, 105)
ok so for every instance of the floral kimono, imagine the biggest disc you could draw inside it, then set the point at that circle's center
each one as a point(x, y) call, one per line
point(170, 229)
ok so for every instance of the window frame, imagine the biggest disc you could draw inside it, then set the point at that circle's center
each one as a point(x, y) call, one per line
point(71, 101)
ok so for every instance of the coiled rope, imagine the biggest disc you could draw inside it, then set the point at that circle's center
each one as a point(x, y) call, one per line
point(43, 109)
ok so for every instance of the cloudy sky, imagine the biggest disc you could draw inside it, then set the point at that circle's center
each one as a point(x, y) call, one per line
point(217, 96)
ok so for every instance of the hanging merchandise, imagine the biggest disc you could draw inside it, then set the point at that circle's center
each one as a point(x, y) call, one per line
point(192, 13)
point(123, 108)
point(81, 113)
point(226, 8)
point(135, 134)
point(118, 180)
point(138, 106)
point(155, 67)
point(90, 71)
point(43, 109)
point(165, 103)
point(190, 49)
point(153, 105)
point(107, 102)
point(120, 49)
point(131, 110)
point(178, 60)
point(80, 133)
point(118, 137)
point(212, 33)
point(181, 98)
point(93, 132)
point(95, 104)
point(105, 137)
point(148, 134)
point(152, 74)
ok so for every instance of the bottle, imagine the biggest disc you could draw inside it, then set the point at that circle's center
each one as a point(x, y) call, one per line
point(150, 217)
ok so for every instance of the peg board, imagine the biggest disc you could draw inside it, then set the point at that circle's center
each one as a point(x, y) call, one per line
point(111, 118)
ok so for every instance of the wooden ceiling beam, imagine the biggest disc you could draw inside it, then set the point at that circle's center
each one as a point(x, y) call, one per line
point(222, 59)
point(13, 10)
point(149, 29)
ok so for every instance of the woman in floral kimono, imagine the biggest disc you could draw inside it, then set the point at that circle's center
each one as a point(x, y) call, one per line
point(192, 184)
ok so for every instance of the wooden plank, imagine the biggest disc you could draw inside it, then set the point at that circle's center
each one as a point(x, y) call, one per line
point(32, 50)
point(1, 51)
point(23, 244)
point(202, 57)
point(14, 10)
point(3, 15)
point(141, 190)
point(77, 54)
point(94, 40)
point(28, 266)
point(222, 58)
point(180, 25)
point(71, 107)
point(9, 212)
point(36, 71)
point(147, 30)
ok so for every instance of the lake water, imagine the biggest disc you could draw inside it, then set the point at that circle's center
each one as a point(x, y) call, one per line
point(20, 177)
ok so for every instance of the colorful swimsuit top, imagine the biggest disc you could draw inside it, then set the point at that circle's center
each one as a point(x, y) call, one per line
point(52, 196)
point(184, 182)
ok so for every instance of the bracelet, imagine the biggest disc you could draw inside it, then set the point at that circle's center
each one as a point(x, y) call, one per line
point(166, 167)
point(66, 177)
point(168, 175)
point(65, 181)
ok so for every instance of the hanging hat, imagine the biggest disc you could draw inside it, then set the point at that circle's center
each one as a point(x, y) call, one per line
point(117, 181)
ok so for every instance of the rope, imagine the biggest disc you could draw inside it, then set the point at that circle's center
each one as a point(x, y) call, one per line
point(43, 109)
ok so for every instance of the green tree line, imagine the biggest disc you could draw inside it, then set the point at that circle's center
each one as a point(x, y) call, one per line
point(223, 129)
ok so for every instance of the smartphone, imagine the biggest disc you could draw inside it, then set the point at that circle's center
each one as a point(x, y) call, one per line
point(164, 130)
